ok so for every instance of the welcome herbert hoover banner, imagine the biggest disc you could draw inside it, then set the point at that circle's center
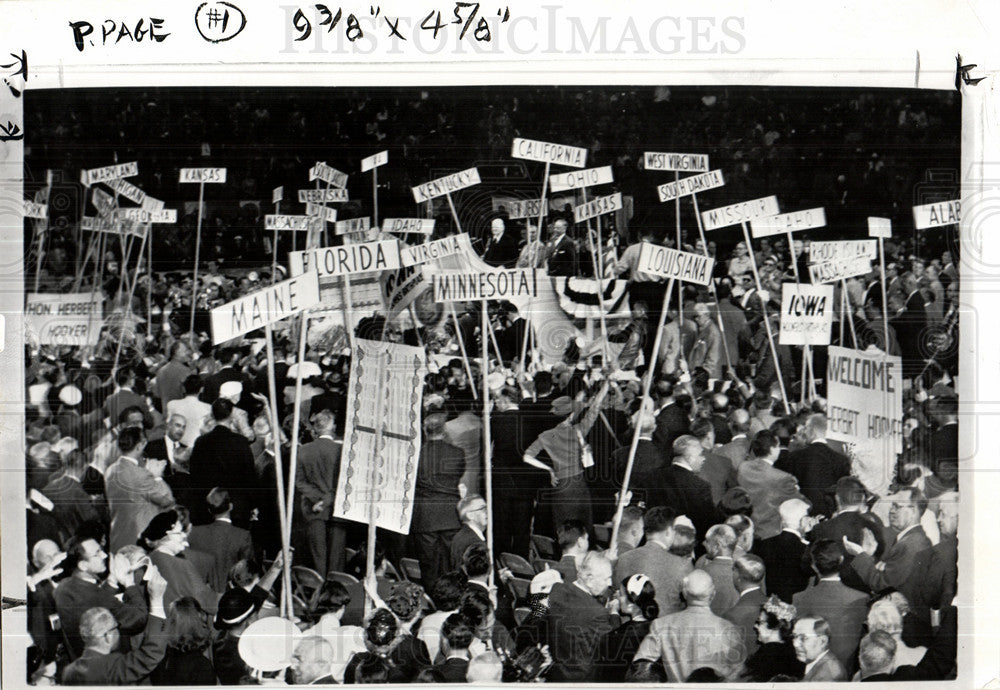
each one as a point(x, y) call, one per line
point(864, 397)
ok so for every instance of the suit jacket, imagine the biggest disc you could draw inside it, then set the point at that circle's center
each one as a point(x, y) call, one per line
point(122, 399)
point(896, 565)
point(169, 382)
point(843, 608)
point(74, 596)
point(116, 668)
point(718, 472)
point(135, 496)
point(744, 615)
point(817, 467)
point(502, 253)
point(736, 450)
point(435, 497)
point(687, 493)
point(561, 257)
point(721, 571)
point(944, 454)
point(706, 351)
point(577, 621)
point(71, 505)
point(827, 670)
point(157, 448)
point(691, 639)
point(229, 544)
point(784, 572)
point(768, 487)
point(453, 669)
point(223, 458)
point(183, 580)
point(852, 526)
point(316, 477)
point(462, 540)
point(932, 582)
point(664, 569)
point(649, 463)
point(671, 422)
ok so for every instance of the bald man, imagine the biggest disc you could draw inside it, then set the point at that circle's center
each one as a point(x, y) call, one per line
point(311, 663)
point(695, 637)
point(783, 555)
point(739, 426)
point(577, 620)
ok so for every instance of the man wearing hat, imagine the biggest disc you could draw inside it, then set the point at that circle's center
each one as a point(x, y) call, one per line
point(68, 417)
point(233, 391)
point(316, 476)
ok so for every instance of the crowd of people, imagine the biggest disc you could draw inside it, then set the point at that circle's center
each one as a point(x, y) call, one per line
point(709, 532)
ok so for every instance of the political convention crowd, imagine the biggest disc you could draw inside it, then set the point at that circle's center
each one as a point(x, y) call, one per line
point(751, 548)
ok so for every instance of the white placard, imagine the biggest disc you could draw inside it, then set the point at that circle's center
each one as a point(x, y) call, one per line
point(33, 210)
point(350, 225)
point(545, 152)
point(842, 269)
point(380, 158)
point(267, 306)
point(278, 194)
point(820, 252)
point(806, 314)
point(319, 196)
point(676, 162)
point(205, 175)
point(690, 185)
point(598, 207)
point(127, 190)
point(788, 222)
point(384, 393)
point(521, 208)
point(740, 213)
point(283, 222)
point(110, 172)
point(350, 259)
point(322, 171)
point(879, 227)
point(402, 226)
point(462, 286)
point(141, 215)
point(420, 253)
point(937, 215)
point(865, 398)
point(445, 185)
point(579, 179)
point(151, 204)
point(64, 319)
point(670, 263)
point(103, 202)
point(328, 214)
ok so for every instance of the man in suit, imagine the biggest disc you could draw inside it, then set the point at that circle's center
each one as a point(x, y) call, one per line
point(227, 542)
point(717, 470)
point(706, 350)
point(843, 608)
point(680, 487)
point(782, 555)
point(654, 560)
point(560, 251)
point(124, 397)
point(514, 482)
point(84, 589)
point(100, 663)
point(311, 662)
point(877, 657)
point(194, 411)
point(135, 494)
point(906, 508)
point(472, 513)
point(435, 520)
point(736, 449)
point(695, 637)
point(222, 457)
point(177, 454)
point(71, 505)
point(767, 486)
point(931, 584)
point(169, 382)
point(817, 466)
point(501, 247)
point(911, 325)
point(748, 578)
point(649, 461)
point(720, 541)
point(850, 520)
point(316, 482)
point(577, 621)
point(943, 449)
point(456, 636)
point(811, 641)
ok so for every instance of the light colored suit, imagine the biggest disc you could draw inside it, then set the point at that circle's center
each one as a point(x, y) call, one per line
point(826, 670)
point(706, 351)
point(691, 639)
point(768, 488)
point(135, 496)
point(842, 607)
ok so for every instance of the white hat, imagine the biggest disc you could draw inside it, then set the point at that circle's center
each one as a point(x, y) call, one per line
point(542, 582)
point(231, 389)
point(309, 369)
point(70, 395)
point(268, 644)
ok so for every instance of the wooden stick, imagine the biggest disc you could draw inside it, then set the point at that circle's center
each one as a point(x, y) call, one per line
point(461, 345)
point(375, 194)
point(646, 385)
point(767, 321)
point(846, 301)
point(711, 284)
point(885, 302)
point(487, 447)
point(128, 304)
point(806, 350)
point(279, 473)
point(149, 281)
point(599, 277)
point(274, 247)
point(677, 218)
point(296, 419)
point(197, 257)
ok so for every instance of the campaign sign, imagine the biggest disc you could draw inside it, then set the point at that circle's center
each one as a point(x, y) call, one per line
point(205, 175)
point(267, 306)
point(110, 172)
point(380, 158)
point(598, 207)
point(740, 213)
point(806, 314)
point(545, 152)
point(403, 226)
point(788, 222)
point(579, 179)
point(675, 162)
point(690, 185)
point(349, 259)
point(64, 319)
point(864, 397)
point(670, 263)
point(937, 215)
point(463, 286)
point(445, 185)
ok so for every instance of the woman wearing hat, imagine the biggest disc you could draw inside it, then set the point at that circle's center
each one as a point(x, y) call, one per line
point(237, 610)
point(569, 455)
point(165, 538)
point(637, 600)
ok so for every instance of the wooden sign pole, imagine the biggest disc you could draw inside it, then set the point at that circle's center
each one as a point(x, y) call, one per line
point(487, 445)
point(677, 219)
point(131, 292)
point(461, 345)
point(711, 284)
point(197, 258)
point(598, 276)
point(287, 609)
point(274, 246)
